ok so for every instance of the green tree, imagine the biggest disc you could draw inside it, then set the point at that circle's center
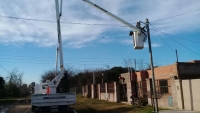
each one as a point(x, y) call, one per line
point(14, 84)
point(2, 87)
point(2, 83)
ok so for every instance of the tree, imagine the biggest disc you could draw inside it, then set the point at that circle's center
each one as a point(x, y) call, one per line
point(15, 78)
point(48, 75)
point(64, 85)
point(2, 83)
point(13, 86)
point(113, 74)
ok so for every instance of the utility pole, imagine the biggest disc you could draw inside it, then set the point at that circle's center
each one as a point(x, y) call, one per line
point(93, 78)
point(176, 56)
point(152, 68)
point(102, 78)
point(135, 64)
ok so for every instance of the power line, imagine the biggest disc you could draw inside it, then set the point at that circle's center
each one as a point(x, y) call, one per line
point(176, 41)
point(176, 36)
point(89, 58)
point(39, 20)
point(29, 19)
point(4, 69)
point(13, 57)
point(177, 15)
point(164, 40)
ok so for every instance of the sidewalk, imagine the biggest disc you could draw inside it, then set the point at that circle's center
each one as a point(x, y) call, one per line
point(178, 111)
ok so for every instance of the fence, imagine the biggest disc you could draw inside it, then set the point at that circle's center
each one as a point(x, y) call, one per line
point(111, 88)
point(105, 91)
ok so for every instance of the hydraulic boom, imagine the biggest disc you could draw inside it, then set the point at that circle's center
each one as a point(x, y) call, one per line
point(139, 35)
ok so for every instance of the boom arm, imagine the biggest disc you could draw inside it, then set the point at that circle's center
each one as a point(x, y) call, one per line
point(112, 15)
point(57, 79)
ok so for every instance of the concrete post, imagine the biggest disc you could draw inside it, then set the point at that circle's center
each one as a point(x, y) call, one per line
point(174, 92)
point(92, 90)
point(149, 92)
point(83, 92)
point(99, 91)
point(106, 93)
point(116, 92)
point(129, 92)
point(87, 91)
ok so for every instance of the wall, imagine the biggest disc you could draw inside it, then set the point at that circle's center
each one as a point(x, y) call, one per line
point(126, 77)
point(191, 92)
point(86, 91)
point(112, 97)
point(164, 101)
point(164, 72)
point(189, 70)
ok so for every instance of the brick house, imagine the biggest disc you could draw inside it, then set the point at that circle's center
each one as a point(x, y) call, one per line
point(170, 83)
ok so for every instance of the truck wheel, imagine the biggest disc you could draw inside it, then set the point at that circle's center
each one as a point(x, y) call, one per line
point(33, 108)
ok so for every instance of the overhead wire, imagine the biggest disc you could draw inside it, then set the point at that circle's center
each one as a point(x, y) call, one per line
point(4, 69)
point(176, 41)
point(68, 58)
point(163, 40)
point(107, 24)
point(176, 36)
point(177, 15)
point(29, 19)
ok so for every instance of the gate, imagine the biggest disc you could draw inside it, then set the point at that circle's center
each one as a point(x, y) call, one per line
point(97, 91)
point(123, 92)
point(142, 91)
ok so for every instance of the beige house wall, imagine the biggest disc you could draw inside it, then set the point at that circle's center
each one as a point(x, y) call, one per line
point(186, 94)
point(191, 94)
point(178, 94)
point(195, 89)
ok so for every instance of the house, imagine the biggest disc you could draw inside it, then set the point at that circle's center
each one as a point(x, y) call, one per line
point(176, 85)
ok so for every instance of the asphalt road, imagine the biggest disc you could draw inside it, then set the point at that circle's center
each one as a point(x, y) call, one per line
point(19, 109)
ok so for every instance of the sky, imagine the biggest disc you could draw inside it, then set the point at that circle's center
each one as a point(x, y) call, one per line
point(92, 39)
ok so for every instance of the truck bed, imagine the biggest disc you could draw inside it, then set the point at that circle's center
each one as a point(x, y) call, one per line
point(53, 99)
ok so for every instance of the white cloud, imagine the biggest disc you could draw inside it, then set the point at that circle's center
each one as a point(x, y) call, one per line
point(152, 45)
point(77, 11)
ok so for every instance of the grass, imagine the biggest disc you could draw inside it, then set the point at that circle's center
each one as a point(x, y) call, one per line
point(7, 102)
point(88, 105)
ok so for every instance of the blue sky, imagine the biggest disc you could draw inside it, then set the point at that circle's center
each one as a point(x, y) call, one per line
point(92, 39)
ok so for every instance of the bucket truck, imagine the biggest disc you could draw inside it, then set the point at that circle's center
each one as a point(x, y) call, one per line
point(46, 97)
point(139, 35)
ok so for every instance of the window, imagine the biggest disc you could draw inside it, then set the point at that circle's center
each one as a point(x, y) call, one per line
point(163, 86)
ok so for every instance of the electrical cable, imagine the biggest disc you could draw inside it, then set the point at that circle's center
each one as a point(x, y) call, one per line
point(89, 23)
point(4, 68)
point(177, 37)
point(176, 41)
point(164, 40)
point(28, 19)
point(176, 15)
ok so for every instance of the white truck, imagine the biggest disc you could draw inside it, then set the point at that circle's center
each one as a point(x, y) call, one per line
point(46, 97)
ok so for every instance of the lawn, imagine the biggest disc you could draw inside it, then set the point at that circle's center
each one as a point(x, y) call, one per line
point(88, 105)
